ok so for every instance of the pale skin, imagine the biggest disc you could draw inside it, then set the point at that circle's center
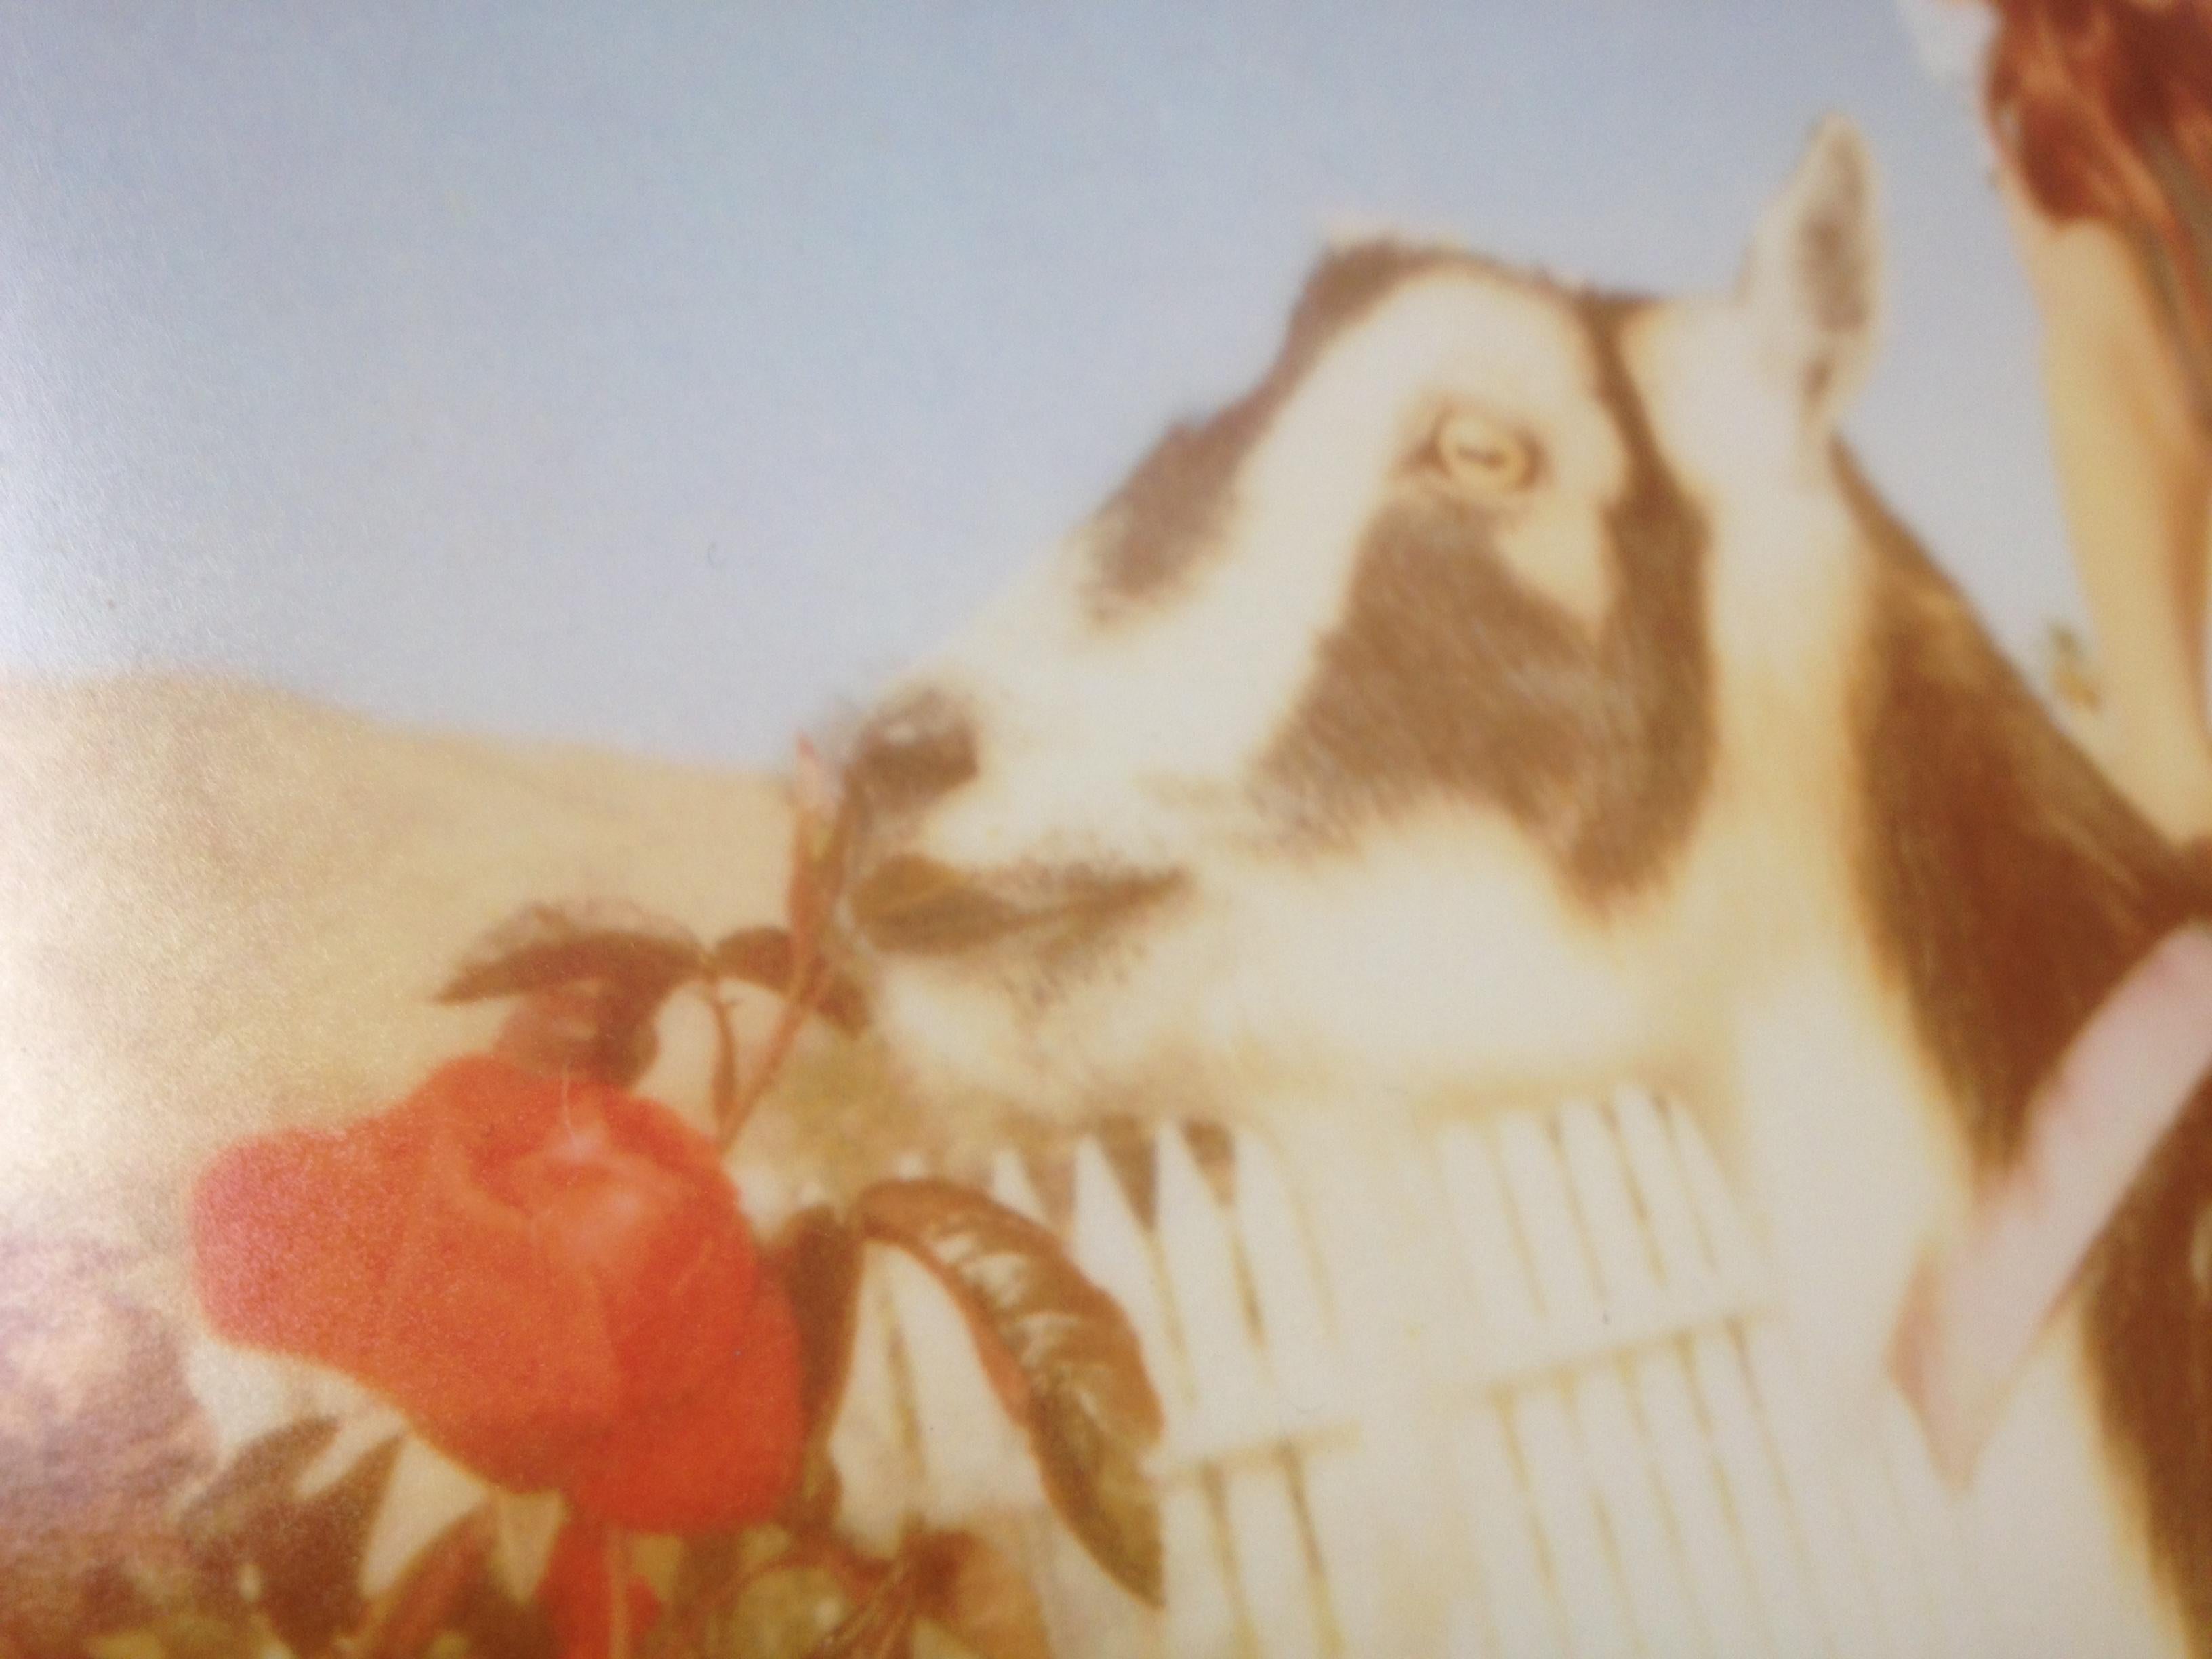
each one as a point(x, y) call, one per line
point(2135, 473)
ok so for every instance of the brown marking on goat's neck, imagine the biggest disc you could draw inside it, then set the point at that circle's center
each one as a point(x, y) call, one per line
point(2147, 1332)
point(2009, 887)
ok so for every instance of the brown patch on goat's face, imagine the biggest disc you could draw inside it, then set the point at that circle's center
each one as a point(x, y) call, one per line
point(1163, 520)
point(1174, 507)
point(1450, 676)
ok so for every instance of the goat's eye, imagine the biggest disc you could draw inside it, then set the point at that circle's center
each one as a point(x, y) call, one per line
point(1483, 455)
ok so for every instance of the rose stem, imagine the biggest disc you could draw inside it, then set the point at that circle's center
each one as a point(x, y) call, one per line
point(617, 1594)
point(724, 1088)
point(810, 976)
point(808, 985)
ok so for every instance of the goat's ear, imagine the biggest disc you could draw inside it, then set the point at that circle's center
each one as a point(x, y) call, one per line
point(1812, 282)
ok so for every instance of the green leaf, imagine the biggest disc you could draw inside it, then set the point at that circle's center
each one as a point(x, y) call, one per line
point(708, 1571)
point(757, 955)
point(436, 1587)
point(309, 1552)
point(933, 1641)
point(878, 1628)
point(1062, 1355)
point(703, 1618)
point(260, 1478)
point(546, 945)
point(840, 1001)
point(783, 1613)
point(764, 956)
point(816, 1257)
point(492, 1624)
point(592, 978)
point(978, 1599)
point(179, 1636)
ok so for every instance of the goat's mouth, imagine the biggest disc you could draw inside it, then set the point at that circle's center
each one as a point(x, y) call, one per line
point(914, 906)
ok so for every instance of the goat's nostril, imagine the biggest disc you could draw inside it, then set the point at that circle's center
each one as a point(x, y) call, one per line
point(912, 754)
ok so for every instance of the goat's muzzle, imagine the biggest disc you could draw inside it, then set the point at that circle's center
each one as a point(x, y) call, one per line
point(916, 906)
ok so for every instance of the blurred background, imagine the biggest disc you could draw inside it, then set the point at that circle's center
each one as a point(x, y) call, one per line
point(660, 377)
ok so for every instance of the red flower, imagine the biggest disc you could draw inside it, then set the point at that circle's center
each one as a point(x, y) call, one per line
point(551, 1277)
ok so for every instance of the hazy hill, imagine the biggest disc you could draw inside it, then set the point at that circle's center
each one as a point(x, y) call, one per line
point(221, 907)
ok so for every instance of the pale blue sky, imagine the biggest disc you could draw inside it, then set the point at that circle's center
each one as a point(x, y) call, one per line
point(655, 375)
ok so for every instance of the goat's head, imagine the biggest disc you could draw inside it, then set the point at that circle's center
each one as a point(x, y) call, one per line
point(1442, 600)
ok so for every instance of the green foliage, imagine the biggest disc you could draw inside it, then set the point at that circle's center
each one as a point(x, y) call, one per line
point(237, 1564)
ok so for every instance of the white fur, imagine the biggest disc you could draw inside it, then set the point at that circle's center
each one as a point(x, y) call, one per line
point(1103, 739)
point(2064, 1566)
point(1443, 959)
point(1446, 954)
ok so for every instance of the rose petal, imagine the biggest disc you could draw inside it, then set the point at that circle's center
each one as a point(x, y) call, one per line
point(373, 1249)
point(551, 1278)
point(294, 1235)
point(724, 1455)
point(493, 1110)
point(490, 1336)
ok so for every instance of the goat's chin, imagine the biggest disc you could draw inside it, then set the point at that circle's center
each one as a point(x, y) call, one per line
point(1021, 1046)
point(962, 1046)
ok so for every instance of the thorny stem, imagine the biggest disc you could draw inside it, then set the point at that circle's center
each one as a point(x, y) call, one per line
point(809, 980)
point(723, 1097)
point(617, 1594)
point(820, 831)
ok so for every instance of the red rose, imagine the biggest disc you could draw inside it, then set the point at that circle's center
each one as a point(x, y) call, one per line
point(551, 1277)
